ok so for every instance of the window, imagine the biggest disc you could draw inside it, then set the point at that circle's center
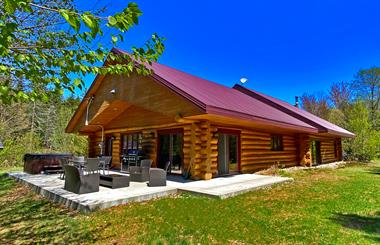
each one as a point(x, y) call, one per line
point(131, 142)
point(276, 143)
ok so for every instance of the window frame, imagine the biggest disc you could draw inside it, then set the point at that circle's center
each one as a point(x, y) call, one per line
point(133, 141)
point(276, 142)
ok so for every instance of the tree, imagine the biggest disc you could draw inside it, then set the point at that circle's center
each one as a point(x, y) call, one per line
point(35, 51)
point(316, 104)
point(366, 142)
point(340, 95)
point(367, 84)
point(354, 106)
point(37, 126)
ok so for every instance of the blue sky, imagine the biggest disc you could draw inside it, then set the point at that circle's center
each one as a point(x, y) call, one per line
point(284, 48)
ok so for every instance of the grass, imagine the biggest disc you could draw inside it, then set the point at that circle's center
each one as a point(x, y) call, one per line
point(320, 207)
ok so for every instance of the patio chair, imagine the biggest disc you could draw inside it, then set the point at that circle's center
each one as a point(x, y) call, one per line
point(62, 163)
point(78, 159)
point(167, 166)
point(92, 165)
point(80, 184)
point(157, 177)
point(140, 174)
point(105, 163)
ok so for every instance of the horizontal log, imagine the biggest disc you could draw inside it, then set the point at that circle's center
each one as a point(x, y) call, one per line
point(286, 137)
point(290, 148)
point(248, 161)
point(266, 154)
point(253, 143)
point(214, 141)
point(268, 158)
point(329, 154)
point(245, 132)
point(328, 157)
point(256, 138)
point(255, 147)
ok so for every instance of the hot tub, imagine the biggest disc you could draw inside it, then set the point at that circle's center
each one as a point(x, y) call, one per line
point(43, 163)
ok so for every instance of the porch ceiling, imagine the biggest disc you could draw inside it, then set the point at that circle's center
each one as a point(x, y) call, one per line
point(106, 113)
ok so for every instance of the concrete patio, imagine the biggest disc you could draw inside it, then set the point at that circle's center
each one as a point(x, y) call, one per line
point(51, 187)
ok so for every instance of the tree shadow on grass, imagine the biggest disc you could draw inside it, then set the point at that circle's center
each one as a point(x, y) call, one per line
point(26, 218)
point(374, 171)
point(367, 224)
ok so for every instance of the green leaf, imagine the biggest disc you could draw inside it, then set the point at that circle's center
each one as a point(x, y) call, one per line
point(112, 21)
point(10, 6)
point(71, 18)
point(77, 81)
point(4, 90)
point(44, 98)
point(87, 20)
point(114, 39)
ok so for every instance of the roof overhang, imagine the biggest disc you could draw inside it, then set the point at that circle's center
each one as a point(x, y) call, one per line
point(321, 129)
point(256, 119)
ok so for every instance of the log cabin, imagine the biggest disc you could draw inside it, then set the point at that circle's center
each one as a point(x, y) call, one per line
point(203, 128)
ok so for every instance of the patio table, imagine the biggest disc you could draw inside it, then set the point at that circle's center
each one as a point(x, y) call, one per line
point(114, 181)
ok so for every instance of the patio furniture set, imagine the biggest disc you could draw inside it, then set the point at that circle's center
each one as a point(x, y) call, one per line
point(83, 175)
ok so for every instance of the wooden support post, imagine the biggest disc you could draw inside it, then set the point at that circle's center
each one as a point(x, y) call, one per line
point(192, 149)
point(116, 150)
point(304, 150)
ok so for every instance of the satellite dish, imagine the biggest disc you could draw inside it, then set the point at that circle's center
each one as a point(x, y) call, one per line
point(243, 80)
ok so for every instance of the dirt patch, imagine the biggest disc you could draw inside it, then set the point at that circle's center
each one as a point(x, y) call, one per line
point(18, 191)
point(274, 170)
point(326, 175)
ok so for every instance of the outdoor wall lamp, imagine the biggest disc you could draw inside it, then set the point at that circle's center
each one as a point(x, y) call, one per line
point(88, 107)
point(101, 144)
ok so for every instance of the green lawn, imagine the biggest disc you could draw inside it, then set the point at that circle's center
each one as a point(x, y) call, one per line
point(321, 206)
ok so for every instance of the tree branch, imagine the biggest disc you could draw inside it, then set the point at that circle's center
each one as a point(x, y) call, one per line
point(57, 11)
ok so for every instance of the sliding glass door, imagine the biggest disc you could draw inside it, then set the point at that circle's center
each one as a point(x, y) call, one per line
point(170, 148)
point(228, 152)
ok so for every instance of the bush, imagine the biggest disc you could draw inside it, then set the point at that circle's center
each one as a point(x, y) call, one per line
point(367, 140)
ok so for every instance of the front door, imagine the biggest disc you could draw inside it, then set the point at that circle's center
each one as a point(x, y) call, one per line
point(228, 152)
point(170, 148)
point(316, 152)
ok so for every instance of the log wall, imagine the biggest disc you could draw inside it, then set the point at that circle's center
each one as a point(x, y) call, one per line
point(331, 148)
point(339, 150)
point(329, 152)
point(191, 148)
point(200, 149)
point(93, 144)
point(149, 145)
point(303, 150)
point(116, 145)
point(256, 153)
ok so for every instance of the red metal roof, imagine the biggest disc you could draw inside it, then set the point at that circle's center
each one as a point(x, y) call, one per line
point(323, 125)
point(215, 98)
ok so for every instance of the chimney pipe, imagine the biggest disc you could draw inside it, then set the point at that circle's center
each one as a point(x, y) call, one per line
point(297, 103)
